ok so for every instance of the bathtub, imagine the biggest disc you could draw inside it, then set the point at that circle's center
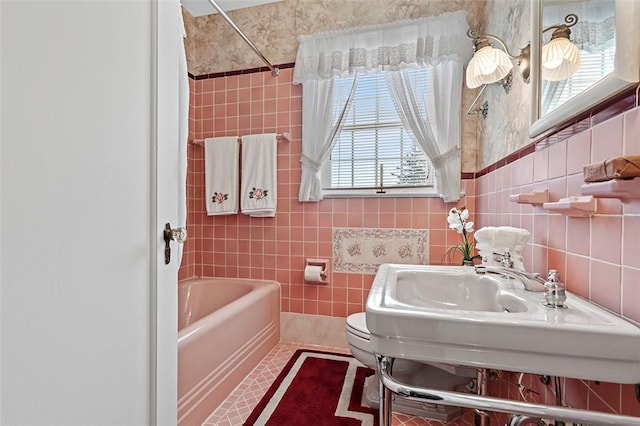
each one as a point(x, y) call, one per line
point(226, 327)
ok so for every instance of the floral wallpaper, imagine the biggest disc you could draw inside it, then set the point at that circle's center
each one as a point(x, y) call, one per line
point(506, 127)
point(190, 39)
point(275, 27)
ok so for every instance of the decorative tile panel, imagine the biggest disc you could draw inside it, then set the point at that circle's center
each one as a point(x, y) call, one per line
point(361, 250)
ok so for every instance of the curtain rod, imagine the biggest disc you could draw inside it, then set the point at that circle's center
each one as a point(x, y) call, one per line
point(275, 71)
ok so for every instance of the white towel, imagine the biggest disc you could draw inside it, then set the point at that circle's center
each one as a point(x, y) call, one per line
point(484, 237)
point(258, 192)
point(514, 239)
point(492, 240)
point(221, 157)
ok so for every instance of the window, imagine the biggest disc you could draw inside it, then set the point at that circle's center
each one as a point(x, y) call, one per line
point(373, 150)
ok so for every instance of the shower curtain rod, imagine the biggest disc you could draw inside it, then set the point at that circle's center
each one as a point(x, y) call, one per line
point(275, 71)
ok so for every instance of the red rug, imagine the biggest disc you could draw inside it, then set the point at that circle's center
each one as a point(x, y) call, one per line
point(319, 389)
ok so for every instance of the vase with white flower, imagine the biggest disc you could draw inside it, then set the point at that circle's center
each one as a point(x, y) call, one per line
point(458, 219)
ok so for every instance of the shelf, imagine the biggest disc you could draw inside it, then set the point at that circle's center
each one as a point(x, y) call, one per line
point(623, 189)
point(534, 198)
point(584, 206)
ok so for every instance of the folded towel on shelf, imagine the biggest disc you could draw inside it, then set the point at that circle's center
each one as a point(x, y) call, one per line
point(492, 241)
point(221, 157)
point(258, 191)
point(508, 237)
point(484, 237)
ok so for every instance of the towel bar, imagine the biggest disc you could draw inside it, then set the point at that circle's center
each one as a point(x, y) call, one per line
point(286, 137)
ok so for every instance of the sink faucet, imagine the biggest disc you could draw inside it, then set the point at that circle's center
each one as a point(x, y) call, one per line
point(504, 258)
point(531, 281)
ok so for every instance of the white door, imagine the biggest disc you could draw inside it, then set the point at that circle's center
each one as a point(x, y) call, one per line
point(87, 306)
point(169, 47)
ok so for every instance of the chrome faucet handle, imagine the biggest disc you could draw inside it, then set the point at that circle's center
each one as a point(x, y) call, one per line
point(553, 276)
point(554, 291)
point(500, 255)
point(497, 255)
point(506, 260)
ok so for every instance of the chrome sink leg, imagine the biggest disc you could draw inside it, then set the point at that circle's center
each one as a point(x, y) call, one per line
point(385, 406)
point(503, 405)
point(386, 401)
point(483, 417)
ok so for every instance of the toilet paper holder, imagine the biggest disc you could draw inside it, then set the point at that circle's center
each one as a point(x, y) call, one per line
point(323, 264)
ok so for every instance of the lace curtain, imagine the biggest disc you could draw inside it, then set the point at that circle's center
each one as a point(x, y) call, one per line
point(594, 36)
point(426, 42)
point(430, 111)
point(319, 132)
point(551, 92)
point(386, 47)
point(595, 30)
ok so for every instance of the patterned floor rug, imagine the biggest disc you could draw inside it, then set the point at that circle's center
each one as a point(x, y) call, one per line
point(316, 388)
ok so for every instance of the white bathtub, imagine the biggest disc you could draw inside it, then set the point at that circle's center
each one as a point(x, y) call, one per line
point(225, 328)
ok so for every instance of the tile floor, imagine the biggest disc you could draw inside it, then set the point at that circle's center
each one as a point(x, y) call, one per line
point(236, 408)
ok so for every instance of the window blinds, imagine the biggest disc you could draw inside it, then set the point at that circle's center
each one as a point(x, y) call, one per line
point(373, 136)
point(593, 67)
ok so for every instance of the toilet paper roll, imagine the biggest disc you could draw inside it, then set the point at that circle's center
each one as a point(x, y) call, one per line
point(313, 273)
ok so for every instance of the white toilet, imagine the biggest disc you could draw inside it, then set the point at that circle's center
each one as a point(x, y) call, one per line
point(437, 376)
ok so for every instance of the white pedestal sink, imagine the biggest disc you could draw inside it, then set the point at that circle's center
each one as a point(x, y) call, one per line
point(452, 315)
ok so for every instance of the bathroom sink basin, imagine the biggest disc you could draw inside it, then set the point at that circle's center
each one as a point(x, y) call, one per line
point(446, 288)
point(454, 316)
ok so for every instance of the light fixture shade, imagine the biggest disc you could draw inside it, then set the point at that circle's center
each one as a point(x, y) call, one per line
point(487, 66)
point(560, 59)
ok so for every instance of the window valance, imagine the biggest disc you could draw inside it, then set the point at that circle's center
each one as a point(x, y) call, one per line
point(595, 30)
point(386, 47)
point(594, 36)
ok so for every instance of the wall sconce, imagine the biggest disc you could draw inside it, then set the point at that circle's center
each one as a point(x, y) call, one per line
point(490, 65)
point(560, 58)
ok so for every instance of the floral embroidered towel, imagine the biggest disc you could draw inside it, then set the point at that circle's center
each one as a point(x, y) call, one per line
point(258, 191)
point(221, 157)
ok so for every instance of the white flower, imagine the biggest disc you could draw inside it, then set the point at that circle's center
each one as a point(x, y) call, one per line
point(457, 219)
point(457, 226)
point(454, 217)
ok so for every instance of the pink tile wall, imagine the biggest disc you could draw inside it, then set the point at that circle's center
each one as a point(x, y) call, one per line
point(276, 248)
point(598, 256)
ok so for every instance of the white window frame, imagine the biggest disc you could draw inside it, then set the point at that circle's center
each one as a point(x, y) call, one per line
point(374, 191)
